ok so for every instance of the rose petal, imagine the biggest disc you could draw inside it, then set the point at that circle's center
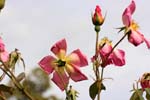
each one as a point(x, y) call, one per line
point(75, 73)
point(147, 42)
point(136, 38)
point(77, 58)
point(105, 50)
point(4, 56)
point(132, 7)
point(118, 57)
point(59, 48)
point(98, 10)
point(2, 47)
point(126, 16)
point(47, 64)
point(61, 80)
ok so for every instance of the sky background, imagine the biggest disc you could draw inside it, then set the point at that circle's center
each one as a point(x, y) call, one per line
point(33, 26)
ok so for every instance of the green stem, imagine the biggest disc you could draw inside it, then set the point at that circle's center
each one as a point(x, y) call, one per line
point(96, 56)
point(102, 71)
point(97, 62)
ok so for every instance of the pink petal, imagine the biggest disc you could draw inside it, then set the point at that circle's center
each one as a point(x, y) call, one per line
point(77, 58)
point(118, 57)
point(105, 50)
point(4, 56)
point(47, 64)
point(2, 47)
point(1, 41)
point(61, 80)
point(136, 38)
point(147, 42)
point(126, 16)
point(59, 48)
point(75, 73)
point(98, 9)
point(132, 7)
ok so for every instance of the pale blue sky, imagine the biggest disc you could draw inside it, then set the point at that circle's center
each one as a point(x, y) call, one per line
point(33, 26)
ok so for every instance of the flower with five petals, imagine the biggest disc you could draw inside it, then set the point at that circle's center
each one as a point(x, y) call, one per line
point(64, 66)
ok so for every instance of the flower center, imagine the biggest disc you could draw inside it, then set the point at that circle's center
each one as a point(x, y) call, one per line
point(134, 25)
point(61, 63)
point(104, 41)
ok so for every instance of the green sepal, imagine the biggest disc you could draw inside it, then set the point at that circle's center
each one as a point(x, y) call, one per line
point(147, 90)
point(137, 95)
point(121, 29)
point(71, 94)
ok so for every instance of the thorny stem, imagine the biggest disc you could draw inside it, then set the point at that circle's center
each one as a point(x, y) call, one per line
point(14, 80)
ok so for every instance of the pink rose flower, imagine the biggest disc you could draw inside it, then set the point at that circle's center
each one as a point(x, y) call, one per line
point(64, 66)
point(107, 56)
point(134, 36)
point(117, 57)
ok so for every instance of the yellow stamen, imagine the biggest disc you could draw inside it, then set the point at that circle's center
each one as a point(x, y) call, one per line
point(134, 26)
point(104, 41)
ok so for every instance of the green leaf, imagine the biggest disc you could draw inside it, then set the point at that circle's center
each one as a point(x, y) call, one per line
point(103, 87)
point(5, 88)
point(95, 88)
point(137, 95)
point(147, 93)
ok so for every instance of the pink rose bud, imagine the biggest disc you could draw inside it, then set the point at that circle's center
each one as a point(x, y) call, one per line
point(97, 18)
point(145, 80)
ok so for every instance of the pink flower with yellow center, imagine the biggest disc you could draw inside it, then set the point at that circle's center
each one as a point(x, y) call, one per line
point(4, 55)
point(145, 80)
point(134, 36)
point(116, 57)
point(64, 67)
point(97, 18)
